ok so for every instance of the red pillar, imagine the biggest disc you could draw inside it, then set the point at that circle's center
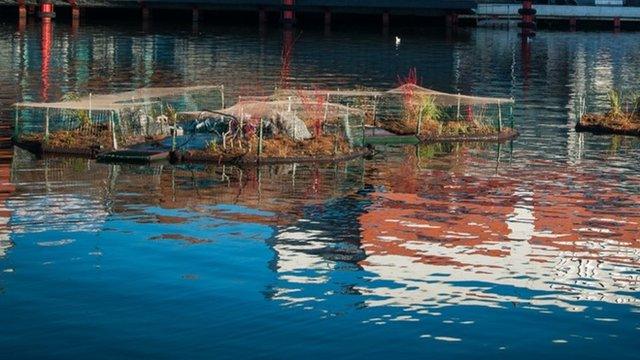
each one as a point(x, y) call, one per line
point(22, 16)
point(527, 23)
point(287, 52)
point(616, 23)
point(22, 10)
point(75, 12)
point(288, 14)
point(46, 12)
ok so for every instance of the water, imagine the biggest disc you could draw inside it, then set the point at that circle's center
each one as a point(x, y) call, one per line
point(522, 250)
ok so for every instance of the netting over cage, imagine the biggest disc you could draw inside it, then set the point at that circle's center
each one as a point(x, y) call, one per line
point(280, 129)
point(412, 109)
point(364, 100)
point(107, 122)
point(302, 119)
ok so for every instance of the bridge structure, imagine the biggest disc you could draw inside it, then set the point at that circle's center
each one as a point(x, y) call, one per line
point(287, 9)
point(485, 12)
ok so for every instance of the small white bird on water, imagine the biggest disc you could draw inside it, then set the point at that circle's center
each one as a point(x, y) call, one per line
point(398, 40)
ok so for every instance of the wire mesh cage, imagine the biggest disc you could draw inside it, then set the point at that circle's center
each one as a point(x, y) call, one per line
point(288, 125)
point(92, 124)
point(415, 110)
point(76, 130)
point(365, 100)
point(411, 109)
point(279, 129)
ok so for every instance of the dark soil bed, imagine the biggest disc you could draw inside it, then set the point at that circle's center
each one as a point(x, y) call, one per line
point(450, 131)
point(75, 143)
point(275, 150)
point(607, 124)
point(88, 141)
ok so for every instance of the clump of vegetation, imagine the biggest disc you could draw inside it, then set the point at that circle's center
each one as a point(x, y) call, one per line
point(212, 147)
point(322, 146)
point(623, 116)
point(171, 114)
point(466, 128)
point(419, 114)
point(615, 103)
point(85, 138)
point(283, 147)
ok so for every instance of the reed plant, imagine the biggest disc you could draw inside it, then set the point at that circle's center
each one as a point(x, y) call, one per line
point(615, 103)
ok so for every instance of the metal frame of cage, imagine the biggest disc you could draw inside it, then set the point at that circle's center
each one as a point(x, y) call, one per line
point(128, 121)
point(384, 106)
point(347, 126)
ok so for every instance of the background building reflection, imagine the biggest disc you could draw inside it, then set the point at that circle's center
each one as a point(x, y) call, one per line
point(467, 237)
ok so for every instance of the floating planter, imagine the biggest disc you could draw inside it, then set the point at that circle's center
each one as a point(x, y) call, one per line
point(411, 114)
point(435, 116)
point(622, 118)
point(272, 131)
point(291, 126)
point(92, 125)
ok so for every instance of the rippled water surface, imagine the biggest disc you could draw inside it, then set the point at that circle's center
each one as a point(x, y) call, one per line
point(519, 250)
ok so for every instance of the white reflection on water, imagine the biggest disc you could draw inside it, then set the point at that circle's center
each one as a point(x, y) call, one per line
point(71, 213)
point(474, 239)
point(295, 254)
point(544, 251)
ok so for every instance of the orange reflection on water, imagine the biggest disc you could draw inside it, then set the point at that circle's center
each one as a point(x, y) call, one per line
point(551, 229)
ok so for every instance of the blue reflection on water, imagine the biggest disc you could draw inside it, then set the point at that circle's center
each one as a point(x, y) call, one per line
point(167, 282)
